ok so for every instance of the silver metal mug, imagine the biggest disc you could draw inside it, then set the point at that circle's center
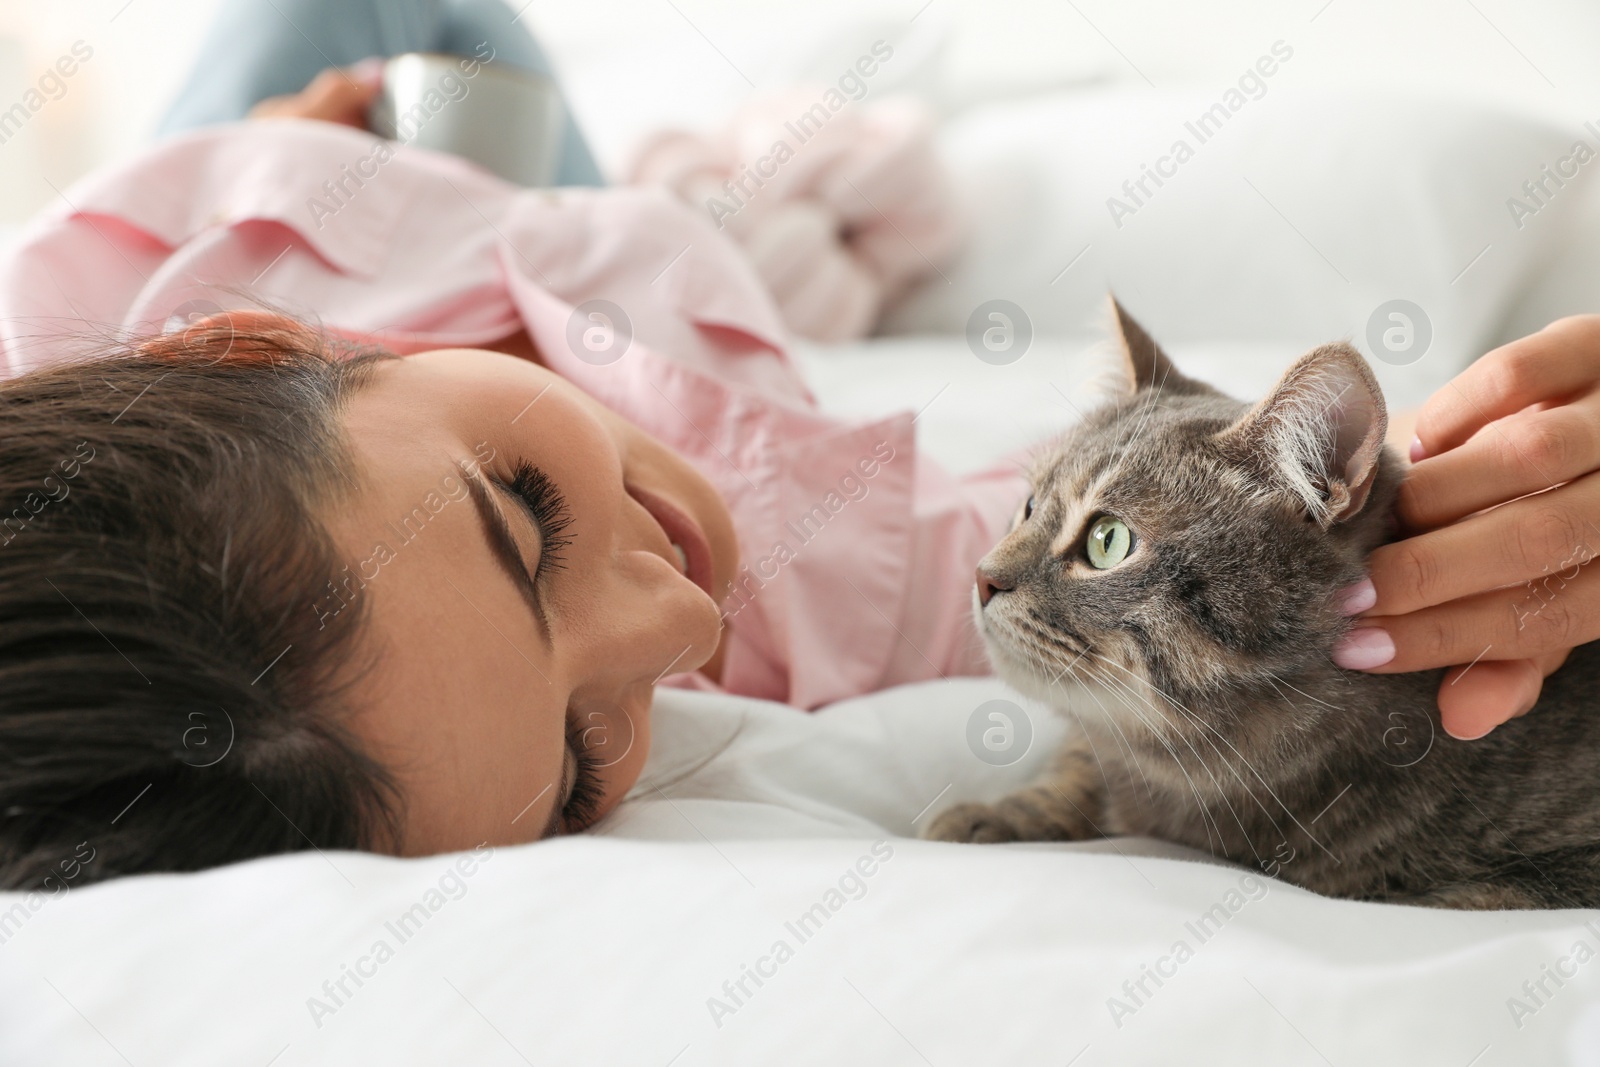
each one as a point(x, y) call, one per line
point(503, 118)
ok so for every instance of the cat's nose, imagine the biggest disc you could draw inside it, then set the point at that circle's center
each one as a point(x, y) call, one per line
point(988, 586)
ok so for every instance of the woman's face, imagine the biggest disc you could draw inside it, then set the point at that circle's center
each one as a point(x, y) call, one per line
point(531, 565)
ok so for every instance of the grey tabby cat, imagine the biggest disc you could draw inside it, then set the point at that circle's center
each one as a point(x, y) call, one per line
point(1178, 564)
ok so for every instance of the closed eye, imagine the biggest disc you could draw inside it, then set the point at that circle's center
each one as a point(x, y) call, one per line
point(543, 503)
point(539, 503)
point(583, 799)
point(581, 788)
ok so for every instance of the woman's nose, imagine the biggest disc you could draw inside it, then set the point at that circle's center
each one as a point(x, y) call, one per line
point(989, 585)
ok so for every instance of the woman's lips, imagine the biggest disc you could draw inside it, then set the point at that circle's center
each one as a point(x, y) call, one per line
point(684, 533)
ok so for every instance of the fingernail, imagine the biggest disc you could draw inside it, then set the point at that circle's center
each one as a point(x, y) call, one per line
point(1418, 453)
point(1354, 599)
point(1464, 735)
point(369, 70)
point(1363, 648)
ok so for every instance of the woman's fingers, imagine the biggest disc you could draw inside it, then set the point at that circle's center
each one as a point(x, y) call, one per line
point(1537, 538)
point(1518, 432)
point(340, 96)
point(1475, 699)
point(1521, 622)
point(1551, 662)
point(1559, 360)
point(1526, 453)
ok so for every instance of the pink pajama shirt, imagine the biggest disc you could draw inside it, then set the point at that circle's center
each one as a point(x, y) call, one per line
point(857, 551)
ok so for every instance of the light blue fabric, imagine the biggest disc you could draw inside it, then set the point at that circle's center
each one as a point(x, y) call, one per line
point(262, 48)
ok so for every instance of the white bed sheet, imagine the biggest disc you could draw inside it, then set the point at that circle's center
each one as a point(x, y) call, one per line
point(615, 948)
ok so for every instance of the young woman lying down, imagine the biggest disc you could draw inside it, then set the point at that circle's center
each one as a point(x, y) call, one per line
point(376, 528)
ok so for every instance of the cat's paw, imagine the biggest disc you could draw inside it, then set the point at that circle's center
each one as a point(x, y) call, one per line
point(1039, 813)
point(979, 824)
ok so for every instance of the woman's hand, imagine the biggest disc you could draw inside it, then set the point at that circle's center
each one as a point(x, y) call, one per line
point(1504, 507)
point(335, 95)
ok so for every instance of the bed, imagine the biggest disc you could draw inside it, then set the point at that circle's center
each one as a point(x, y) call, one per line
point(770, 908)
point(773, 905)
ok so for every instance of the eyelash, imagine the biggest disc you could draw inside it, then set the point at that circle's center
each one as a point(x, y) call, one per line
point(587, 789)
point(549, 511)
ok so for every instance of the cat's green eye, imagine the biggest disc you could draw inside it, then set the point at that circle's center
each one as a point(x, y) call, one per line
point(1109, 542)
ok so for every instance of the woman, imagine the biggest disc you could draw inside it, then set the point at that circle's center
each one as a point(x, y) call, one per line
point(283, 589)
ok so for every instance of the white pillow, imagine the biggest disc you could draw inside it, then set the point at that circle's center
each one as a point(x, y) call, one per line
point(1568, 282)
point(974, 415)
point(1296, 218)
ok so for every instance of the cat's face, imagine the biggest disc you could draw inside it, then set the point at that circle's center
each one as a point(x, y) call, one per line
point(1183, 542)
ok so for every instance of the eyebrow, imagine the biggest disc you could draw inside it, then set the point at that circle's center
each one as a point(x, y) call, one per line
point(503, 543)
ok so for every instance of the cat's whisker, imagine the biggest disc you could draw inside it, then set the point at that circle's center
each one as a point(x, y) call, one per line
point(1281, 694)
point(1127, 746)
point(1050, 636)
point(1122, 738)
point(1067, 669)
point(1178, 762)
point(1113, 683)
point(1111, 719)
point(1204, 726)
point(1193, 720)
point(1266, 812)
point(1175, 758)
point(1023, 626)
point(1144, 418)
point(1223, 793)
point(1253, 770)
point(1204, 765)
point(1094, 750)
point(1302, 692)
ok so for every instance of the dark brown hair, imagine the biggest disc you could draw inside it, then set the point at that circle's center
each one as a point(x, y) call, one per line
point(168, 698)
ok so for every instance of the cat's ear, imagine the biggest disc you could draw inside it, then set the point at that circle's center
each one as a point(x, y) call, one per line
point(1145, 366)
point(1319, 434)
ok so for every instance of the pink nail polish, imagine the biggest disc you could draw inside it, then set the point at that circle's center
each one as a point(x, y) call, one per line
point(1418, 453)
point(1364, 648)
point(369, 70)
point(1356, 598)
